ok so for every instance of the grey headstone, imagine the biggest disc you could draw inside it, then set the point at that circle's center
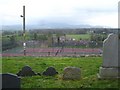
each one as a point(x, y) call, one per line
point(0, 81)
point(10, 81)
point(110, 51)
point(72, 73)
point(110, 67)
point(50, 71)
point(26, 71)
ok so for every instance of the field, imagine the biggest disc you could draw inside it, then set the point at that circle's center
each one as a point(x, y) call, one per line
point(79, 36)
point(89, 69)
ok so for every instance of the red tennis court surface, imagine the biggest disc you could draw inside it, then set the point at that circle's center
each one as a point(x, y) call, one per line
point(54, 52)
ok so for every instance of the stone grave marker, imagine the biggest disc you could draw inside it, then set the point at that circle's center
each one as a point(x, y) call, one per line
point(0, 81)
point(71, 73)
point(110, 67)
point(50, 71)
point(26, 71)
point(10, 81)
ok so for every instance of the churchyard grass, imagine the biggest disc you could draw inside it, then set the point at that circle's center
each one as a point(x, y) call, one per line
point(89, 68)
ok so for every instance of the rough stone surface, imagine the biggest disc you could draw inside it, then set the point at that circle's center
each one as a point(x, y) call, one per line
point(110, 67)
point(110, 51)
point(50, 71)
point(26, 71)
point(0, 81)
point(71, 73)
point(10, 81)
point(108, 72)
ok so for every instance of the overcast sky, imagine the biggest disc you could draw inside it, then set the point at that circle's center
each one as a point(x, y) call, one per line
point(92, 12)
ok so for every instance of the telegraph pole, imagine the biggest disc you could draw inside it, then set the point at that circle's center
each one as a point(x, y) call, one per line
point(24, 43)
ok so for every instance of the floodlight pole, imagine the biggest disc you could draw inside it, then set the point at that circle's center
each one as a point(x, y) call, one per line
point(24, 43)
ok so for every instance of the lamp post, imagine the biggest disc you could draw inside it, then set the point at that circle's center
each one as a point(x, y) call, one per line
point(24, 43)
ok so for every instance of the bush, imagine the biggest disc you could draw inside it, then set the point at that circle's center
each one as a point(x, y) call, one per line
point(8, 42)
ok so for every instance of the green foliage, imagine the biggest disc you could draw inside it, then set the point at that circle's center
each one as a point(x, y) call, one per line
point(40, 37)
point(98, 37)
point(97, 40)
point(89, 69)
point(8, 42)
point(35, 36)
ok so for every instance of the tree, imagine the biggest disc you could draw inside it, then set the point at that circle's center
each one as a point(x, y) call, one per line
point(35, 36)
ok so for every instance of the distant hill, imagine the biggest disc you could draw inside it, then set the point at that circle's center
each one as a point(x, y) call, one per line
point(47, 26)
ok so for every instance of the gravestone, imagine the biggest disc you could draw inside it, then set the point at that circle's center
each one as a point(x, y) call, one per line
point(71, 73)
point(0, 81)
point(110, 67)
point(26, 71)
point(10, 81)
point(50, 71)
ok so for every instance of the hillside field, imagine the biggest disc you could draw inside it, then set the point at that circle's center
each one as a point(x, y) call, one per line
point(79, 36)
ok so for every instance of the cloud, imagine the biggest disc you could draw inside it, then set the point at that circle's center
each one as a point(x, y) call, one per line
point(68, 11)
point(104, 19)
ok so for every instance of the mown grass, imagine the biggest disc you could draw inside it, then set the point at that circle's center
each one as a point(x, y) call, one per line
point(79, 36)
point(89, 69)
